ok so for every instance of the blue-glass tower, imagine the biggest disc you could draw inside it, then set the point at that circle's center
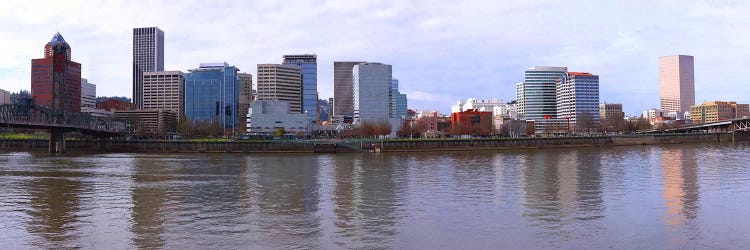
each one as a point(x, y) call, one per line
point(309, 67)
point(212, 92)
point(398, 101)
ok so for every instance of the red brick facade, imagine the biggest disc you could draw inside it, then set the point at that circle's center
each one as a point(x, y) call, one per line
point(113, 104)
point(55, 79)
point(471, 122)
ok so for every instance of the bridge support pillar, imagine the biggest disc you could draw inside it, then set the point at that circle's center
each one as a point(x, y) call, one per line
point(56, 141)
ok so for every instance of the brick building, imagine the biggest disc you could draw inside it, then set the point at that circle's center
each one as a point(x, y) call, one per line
point(471, 122)
point(56, 79)
point(112, 104)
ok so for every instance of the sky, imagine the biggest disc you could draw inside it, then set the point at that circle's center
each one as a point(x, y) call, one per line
point(441, 51)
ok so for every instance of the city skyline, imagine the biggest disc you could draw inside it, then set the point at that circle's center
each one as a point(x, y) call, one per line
point(444, 51)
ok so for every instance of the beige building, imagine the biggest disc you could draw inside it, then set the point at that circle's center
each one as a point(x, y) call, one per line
point(164, 90)
point(277, 82)
point(718, 111)
point(246, 97)
point(611, 112)
point(677, 83)
point(148, 122)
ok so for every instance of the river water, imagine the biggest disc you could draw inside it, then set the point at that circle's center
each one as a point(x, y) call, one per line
point(641, 197)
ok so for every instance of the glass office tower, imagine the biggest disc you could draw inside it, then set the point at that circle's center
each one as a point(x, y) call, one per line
point(212, 92)
point(537, 94)
point(372, 87)
point(309, 67)
point(398, 101)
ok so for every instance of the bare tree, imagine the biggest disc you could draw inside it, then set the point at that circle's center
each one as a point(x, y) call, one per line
point(585, 122)
point(185, 126)
point(215, 128)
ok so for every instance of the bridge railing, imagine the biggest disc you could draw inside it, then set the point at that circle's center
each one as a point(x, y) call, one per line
point(41, 116)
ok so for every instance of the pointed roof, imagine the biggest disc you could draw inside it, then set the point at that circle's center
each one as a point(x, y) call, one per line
point(58, 39)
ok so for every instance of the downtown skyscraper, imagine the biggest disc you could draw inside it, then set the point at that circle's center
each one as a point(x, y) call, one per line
point(676, 83)
point(371, 92)
point(212, 93)
point(537, 94)
point(343, 105)
point(309, 68)
point(56, 79)
point(279, 82)
point(148, 56)
point(578, 100)
point(398, 103)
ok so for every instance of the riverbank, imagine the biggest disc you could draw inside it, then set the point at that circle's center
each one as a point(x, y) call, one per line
point(397, 145)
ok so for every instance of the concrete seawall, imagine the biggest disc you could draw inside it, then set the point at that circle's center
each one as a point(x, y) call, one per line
point(556, 142)
point(350, 147)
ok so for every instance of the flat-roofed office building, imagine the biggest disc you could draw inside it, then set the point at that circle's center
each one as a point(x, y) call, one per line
point(676, 83)
point(164, 90)
point(148, 56)
point(278, 82)
point(371, 92)
point(343, 88)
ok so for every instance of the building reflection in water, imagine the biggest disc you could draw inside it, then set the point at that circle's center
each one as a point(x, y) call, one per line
point(562, 189)
point(472, 176)
point(589, 194)
point(149, 195)
point(288, 201)
point(54, 206)
point(540, 185)
point(365, 200)
point(345, 196)
point(680, 178)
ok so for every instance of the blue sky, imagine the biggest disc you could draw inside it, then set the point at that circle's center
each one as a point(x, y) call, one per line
point(441, 51)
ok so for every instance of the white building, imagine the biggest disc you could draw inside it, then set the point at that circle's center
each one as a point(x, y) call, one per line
point(653, 115)
point(497, 106)
point(500, 110)
point(88, 94)
point(269, 116)
point(577, 97)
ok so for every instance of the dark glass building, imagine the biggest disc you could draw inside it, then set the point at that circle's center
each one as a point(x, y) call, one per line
point(343, 89)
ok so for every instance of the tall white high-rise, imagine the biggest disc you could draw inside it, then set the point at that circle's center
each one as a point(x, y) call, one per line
point(148, 56)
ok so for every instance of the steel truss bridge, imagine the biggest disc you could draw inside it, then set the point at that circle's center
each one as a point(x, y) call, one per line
point(38, 117)
point(729, 126)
